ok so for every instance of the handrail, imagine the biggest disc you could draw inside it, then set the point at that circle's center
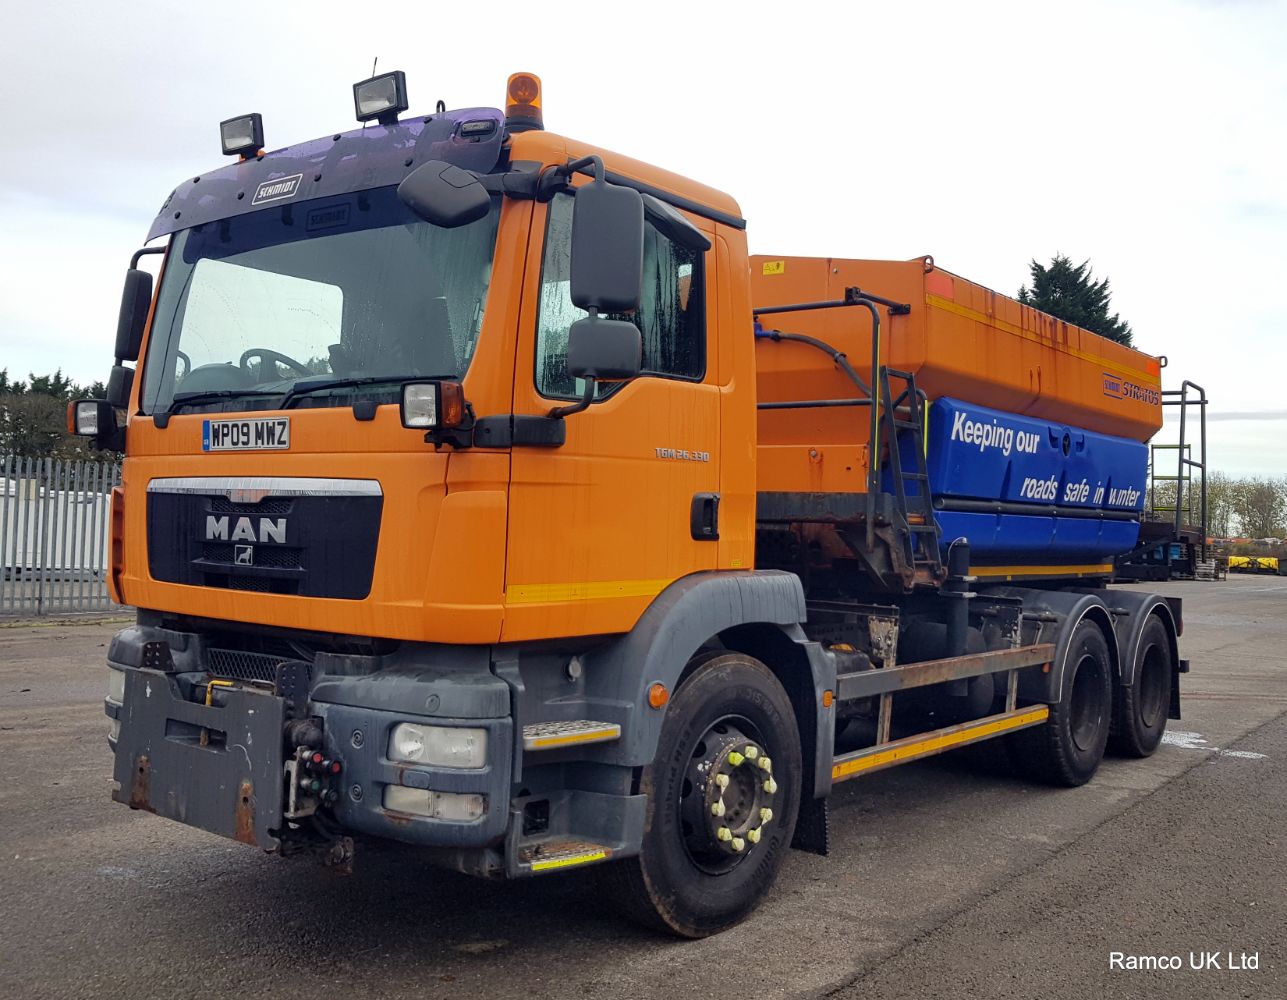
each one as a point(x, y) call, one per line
point(854, 296)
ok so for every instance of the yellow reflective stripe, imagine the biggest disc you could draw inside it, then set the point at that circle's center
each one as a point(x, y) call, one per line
point(1041, 570)
point(576, 859)
point(540, 593)
point(604, 735)
point(935, 743)
point(949, 306)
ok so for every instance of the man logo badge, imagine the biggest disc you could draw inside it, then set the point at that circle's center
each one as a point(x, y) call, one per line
point(243, 555)
point(277, 189)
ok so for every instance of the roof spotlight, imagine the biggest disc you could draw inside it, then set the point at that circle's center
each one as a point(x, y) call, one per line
point(243, 135)
point(382, 97)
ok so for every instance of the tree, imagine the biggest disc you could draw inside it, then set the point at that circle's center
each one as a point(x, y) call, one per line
point(33, 420)
point(1260, 505)
point(1070, 293)
point(1220, 491)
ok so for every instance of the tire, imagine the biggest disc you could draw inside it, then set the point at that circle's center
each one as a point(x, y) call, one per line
point(687, 881)
point(1140, 709)
point(1067, 749)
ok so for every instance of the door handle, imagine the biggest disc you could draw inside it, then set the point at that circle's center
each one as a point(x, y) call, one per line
point(704, 517)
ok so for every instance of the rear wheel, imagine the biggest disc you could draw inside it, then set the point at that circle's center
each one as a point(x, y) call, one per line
point(1068, 748)
point(1140, 709)
point(723, 790)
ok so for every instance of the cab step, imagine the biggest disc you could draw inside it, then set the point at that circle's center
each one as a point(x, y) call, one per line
point(556, 735)
point(556, 855)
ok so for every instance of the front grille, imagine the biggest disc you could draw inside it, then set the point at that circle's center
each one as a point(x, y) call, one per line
point(265, 556)
point(238, 665)
point(269, 505)
point(256, 584)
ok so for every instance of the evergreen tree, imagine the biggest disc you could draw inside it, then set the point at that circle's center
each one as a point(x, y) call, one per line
point(1070, 292)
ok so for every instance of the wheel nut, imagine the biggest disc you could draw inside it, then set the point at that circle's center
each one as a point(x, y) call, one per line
point(737, 844)
point(717, 808)
point(750, 753)
point(770, 786)
point(735, 759)
point(766, 764)
point(753, 835)
point(724, 833)
point(766, 814)
point(721, 780)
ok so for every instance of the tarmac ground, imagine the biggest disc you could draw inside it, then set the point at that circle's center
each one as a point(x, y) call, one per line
point(949, 877)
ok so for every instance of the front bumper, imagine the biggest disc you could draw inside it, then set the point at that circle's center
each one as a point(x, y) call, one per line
point(221, 765)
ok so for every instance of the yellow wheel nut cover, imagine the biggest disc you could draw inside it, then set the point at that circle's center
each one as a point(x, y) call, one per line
point(735, 759)
point(717, 808)
point(766, 814)
point(738, 843)
point(766, 764)
point(753, 835)
point(721, 780)
point(751, 753)
point(770, 786)
point(724, 833)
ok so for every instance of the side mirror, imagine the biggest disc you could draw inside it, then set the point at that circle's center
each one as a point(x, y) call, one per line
point(608, 350)
point(119, 384)
point(136, 300)
point(607, 248)
point(444, 195)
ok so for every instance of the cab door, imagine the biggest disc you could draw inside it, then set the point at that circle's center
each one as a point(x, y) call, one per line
point(629, 503)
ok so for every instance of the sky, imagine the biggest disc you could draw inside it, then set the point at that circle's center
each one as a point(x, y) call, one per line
point(1149, 138)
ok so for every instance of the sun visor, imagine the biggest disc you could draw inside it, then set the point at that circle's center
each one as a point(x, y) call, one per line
point(371, 157)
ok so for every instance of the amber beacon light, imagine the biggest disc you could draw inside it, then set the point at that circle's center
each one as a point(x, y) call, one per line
point(523, 102)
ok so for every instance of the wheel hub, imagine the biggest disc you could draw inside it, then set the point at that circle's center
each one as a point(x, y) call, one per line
point(731, 796)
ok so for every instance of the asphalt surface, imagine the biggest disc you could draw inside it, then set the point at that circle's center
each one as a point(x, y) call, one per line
point(949, 877)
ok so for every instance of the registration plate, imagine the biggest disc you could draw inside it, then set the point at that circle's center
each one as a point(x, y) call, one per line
point(255, 434)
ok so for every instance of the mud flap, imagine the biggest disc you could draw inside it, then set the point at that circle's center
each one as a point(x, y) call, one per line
point(216, 767)
point(811, 829)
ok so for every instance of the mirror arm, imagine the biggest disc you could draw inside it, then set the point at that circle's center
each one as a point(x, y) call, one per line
point(145, 251)
point(587, 397)
point(559, 178)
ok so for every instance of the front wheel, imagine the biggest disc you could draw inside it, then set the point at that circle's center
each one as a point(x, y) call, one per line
point(723, 790)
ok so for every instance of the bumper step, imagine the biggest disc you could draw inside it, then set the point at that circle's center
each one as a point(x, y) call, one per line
point(556, 735)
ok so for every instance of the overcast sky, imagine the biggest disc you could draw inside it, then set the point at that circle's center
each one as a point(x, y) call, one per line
point(1149, 137)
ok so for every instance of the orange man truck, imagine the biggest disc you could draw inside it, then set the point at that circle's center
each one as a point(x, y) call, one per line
point(481, 493)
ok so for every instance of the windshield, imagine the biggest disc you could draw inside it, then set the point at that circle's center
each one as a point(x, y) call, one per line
point(351, 288)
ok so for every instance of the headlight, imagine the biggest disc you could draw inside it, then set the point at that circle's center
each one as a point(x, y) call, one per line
point(438, 746)
point(116, 685)
point(460, 807)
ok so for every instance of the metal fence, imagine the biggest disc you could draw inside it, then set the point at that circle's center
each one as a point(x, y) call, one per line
point(55, 529)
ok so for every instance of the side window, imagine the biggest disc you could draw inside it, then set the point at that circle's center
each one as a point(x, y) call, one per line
point(671, 314)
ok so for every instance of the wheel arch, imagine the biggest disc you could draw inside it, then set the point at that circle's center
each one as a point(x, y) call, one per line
point(758, 613)
point(1054, 616)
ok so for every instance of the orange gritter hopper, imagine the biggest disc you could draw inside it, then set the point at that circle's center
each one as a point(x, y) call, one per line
point(959, 340)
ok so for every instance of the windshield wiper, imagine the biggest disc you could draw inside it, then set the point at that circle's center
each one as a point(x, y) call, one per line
point(309, 386)
point(212, 395)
